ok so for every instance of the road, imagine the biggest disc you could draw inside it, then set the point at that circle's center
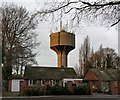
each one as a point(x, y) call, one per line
point(64, 98)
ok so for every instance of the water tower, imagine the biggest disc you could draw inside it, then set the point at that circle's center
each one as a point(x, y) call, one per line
point(62, 43)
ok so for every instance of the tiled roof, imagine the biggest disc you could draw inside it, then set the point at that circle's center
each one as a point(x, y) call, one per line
point(17, 77)
point(49, 73)
point(104, 74)
point(113, 73)
point(90, 75)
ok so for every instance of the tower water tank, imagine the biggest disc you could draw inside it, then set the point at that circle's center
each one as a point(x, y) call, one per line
point(62, 43)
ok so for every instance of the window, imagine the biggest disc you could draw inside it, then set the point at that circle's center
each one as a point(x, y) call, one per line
point(51, 83)
point(57, 82)
point(42, 82)
point(115, 84)
point(54, 82)
point(32, 82)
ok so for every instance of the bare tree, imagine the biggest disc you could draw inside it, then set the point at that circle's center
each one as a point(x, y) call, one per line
point(18, 37)
point(104, 58)
point(76, 10)
point(84, 55)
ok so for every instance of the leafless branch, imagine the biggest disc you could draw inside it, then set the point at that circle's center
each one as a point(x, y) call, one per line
point(82, 9)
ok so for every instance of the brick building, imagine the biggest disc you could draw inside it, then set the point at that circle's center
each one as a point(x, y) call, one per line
point(43, 76)
point(103, 80)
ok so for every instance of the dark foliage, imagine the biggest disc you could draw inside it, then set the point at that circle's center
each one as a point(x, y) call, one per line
point(57, 90)
point(82, 89)
point(33, 91)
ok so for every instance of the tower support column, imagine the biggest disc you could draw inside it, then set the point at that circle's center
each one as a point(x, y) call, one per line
point(62, 59)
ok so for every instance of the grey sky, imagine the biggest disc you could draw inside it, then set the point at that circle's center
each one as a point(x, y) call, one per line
point(98, 35)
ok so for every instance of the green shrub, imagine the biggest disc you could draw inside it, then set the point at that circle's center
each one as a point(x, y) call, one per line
point(95, 90)
point(98, 91)
point(33, 91)
point(3, 89)
point(82, 89)
point(5, 85)
point(105, 90)
point(57, 90)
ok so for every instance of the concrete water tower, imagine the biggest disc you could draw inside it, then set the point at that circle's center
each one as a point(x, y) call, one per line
point(62, 43)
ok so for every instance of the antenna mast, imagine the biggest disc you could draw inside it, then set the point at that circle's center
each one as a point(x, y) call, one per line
point(61, 25)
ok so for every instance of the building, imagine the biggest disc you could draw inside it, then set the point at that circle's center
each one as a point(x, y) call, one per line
point(42, 76)
point(105, 80)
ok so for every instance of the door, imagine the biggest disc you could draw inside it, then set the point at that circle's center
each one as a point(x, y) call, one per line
point(15, 85)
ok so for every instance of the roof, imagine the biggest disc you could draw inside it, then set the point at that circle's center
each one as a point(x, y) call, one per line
point(16, 76)
point(49, 73)
point(102, 74)
point(90, 76)
point(113, 73)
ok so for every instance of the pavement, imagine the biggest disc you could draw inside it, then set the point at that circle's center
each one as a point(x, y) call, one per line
point(65, 97)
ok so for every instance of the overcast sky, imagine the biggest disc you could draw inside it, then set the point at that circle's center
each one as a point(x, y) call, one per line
point(98, 35)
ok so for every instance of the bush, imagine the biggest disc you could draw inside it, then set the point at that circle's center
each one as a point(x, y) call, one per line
point(82, 89)
point(5, 85)
point(3, 89)
point(57, 90)
point(98, 91)
point(105, 90)
point(33, 91)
